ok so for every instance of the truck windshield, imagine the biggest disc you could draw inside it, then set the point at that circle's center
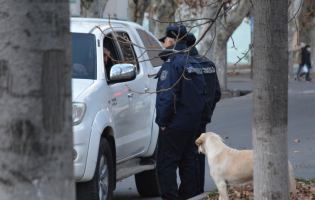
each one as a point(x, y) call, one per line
point(83, 56)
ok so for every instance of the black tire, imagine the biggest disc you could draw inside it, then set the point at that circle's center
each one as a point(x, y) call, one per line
point(147, 181)
point(90, 190)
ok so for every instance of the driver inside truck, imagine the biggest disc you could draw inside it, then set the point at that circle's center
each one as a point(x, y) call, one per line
point(88, 68)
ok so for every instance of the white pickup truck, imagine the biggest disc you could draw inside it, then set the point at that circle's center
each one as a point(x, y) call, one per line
point(114, 133)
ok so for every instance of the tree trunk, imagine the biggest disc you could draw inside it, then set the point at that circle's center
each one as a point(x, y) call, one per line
point(313, 48)
point(270, 100)
point(306, 23)
point(293, 8)
point(136, 10)
point(36, 154)
point(207, 12)
point(151, 22)
point(131, 15)
point(222, 37)
point(167, 9)
point(93, 8)
point(220, 60)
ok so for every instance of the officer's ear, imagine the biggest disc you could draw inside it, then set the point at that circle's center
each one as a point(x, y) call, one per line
point(170, 41)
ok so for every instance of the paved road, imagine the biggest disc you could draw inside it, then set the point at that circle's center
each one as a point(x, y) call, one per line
point(233, 118)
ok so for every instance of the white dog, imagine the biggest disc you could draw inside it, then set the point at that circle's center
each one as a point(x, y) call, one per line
point(230, 167)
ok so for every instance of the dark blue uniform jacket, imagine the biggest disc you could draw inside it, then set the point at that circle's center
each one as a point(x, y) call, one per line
point(212, 85)
point(187, 96)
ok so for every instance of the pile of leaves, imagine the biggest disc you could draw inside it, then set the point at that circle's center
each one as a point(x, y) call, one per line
point(305, 191)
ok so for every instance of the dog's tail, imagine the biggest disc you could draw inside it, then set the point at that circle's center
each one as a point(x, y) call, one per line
point(292, 181)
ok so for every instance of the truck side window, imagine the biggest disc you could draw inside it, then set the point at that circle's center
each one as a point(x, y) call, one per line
point(127, 50)
point(148, 40)
point(111, 49)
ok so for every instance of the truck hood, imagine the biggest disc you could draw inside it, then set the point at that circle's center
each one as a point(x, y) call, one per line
point(78, 86)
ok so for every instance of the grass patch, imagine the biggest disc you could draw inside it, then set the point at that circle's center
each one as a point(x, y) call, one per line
point(306, 181)
point(214, 193)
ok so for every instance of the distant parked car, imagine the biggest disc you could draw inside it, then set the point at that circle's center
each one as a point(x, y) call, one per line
point(114, 132)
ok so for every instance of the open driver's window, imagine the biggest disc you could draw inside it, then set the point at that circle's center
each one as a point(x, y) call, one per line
point(110, 47)
point(128, 50)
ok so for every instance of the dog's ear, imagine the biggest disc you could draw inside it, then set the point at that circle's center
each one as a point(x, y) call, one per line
point(200, 140)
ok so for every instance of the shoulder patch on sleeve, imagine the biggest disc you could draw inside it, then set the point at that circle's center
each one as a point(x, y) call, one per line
point(170, 59)
point(163, 75)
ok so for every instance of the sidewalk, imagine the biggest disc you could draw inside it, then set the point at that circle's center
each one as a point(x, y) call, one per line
point(242, 84)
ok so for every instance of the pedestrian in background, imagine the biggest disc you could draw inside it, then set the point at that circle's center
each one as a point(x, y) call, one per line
point(213, 95)
point(178, 114)
point(298, 60)
point(306, 61)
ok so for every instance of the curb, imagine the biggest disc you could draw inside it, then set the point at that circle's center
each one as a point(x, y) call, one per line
point(200, 196)
point(234, 93)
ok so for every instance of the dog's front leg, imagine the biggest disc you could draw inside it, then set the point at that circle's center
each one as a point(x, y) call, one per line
point(223, 191)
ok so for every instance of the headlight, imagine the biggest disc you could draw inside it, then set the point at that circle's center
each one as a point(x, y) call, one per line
point(75, 154)
point(78, 111)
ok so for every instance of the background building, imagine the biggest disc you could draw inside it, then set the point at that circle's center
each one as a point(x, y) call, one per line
point(116, 8)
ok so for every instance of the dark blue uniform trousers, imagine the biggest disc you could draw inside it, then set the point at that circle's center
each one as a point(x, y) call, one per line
point(199, 163)
point(176, 150)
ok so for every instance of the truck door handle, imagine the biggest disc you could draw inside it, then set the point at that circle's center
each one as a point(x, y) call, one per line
point(130, 95)
point(146, 89)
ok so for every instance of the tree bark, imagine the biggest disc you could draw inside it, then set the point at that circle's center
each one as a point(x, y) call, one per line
point(136, 10)
point(270, 100)
point(93, 8)
point(207, 12)
point(222, 37)
point(306, 23)
point(313, 48)
point(167, 9)
point(36, 154)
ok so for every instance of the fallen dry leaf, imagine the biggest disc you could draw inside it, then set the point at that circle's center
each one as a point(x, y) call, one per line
point(226, 137)
point(296, 140)
point(304, 192)
point(308, 198)
point(296, 152)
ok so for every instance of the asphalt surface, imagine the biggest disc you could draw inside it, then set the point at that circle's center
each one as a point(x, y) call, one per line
point(233, 119)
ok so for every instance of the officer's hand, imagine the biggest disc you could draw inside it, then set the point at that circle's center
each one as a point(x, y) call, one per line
point(163, 128)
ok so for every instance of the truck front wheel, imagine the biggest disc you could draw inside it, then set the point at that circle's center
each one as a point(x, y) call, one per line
point(101, 187)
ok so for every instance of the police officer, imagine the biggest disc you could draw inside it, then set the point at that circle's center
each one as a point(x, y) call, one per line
point(178, 114)
point(213, 95)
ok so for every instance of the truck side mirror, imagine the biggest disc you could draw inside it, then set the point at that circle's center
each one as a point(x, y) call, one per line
point(120, 72)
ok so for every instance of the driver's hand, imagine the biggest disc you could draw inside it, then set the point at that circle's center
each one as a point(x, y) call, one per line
point(78, 68)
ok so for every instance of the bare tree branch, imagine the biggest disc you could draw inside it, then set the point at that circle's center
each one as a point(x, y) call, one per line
point(296, 12)
point(239, 59)
point(309, 13)
point(230, 35)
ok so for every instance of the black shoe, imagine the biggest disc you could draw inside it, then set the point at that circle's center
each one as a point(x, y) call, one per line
point(296, 78)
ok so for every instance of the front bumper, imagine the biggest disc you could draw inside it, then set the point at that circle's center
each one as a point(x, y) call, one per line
point(81, 140)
